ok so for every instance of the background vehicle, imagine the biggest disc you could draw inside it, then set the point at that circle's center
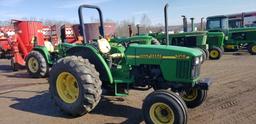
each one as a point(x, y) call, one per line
point(235, 38)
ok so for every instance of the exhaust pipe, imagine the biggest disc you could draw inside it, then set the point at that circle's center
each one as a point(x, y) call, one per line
point(192, 24)
point(166, 23)
point(202, 24)
point(138, 29)
point(130, 30)
point(185, 23)
point(243, 14)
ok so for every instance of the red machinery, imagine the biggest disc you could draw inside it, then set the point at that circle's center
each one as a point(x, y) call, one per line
point(50, 34)
point(28, 34)
point(67, 34)
point(5, 47)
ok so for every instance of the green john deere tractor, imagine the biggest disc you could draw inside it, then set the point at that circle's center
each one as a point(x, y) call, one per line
point(40, 60)
point(215, 40)
point(80, 73)
point(235, 38)
point(210, 43)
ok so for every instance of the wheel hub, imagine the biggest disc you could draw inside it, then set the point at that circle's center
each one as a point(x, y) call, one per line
point(254, 49)
point(190, 96)
point(67, 87)
point(33, 65)
point(214, 53)
point(161, 113)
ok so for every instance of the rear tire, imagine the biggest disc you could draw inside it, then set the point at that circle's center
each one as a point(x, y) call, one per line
point(13, 65)
point(36, 65)
point(87, 82)
point(252, 49)
point(215, 53)
point(164, 106)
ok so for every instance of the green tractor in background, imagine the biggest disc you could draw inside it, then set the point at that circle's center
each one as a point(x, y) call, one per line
point(235, 38)
point(186, 39)
point(215, 40)
point(210, 43)
point(78, 78)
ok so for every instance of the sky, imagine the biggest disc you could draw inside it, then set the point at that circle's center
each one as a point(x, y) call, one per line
point(118, 10)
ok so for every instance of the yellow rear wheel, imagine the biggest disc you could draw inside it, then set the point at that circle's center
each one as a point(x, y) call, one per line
point(67, 87)
point(33, 64)
point(75, 85)
point(214, 53)
point(36, 64)
point(254, 49)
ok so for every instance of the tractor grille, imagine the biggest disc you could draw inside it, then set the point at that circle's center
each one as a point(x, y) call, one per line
point(183, 70)
point(186, 71)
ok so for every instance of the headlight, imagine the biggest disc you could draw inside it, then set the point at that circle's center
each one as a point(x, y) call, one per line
point(196, 61)
point(201, 59)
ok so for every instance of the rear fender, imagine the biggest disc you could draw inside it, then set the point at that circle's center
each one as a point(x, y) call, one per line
point(43, 50)
point(95, 58)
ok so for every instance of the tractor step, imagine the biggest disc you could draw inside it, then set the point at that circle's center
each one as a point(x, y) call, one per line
point(121, 89)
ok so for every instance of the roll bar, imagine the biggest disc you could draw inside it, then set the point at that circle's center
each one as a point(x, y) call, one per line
point(81, 20)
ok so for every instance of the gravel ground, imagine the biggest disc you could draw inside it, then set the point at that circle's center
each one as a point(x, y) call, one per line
point(231, 99)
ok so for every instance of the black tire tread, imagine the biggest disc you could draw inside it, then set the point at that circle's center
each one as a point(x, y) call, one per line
point(170, 94)
point(198, 101)
point(220, 53)
point(43, 65)
point(90, 81)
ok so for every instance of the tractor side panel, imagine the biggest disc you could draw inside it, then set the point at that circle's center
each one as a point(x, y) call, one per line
point(175, 66)
point(242, 35)
point(215, 39)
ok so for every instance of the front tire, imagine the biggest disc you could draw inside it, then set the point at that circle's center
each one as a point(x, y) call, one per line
point(75, 85)
point(36, 65)
point(164, 107)
point(194, 97)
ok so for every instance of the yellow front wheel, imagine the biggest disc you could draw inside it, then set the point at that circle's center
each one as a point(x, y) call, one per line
point(164, 107)
point(194, 97)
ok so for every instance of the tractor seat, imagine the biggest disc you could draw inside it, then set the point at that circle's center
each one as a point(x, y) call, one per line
point(105, 48)
point(49, 46)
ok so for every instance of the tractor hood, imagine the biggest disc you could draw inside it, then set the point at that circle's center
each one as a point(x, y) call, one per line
point(175, 62)
point(163, 50)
